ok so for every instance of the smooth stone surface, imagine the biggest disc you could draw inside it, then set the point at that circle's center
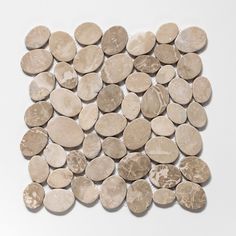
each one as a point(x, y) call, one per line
point(36, 61)
point(92, 145)
point(116, 68)
point(76, 161)
point(113, 192)
point(88, 59)
point(188, 139)
point(134, 166)
point(162, 126)
point(139, 196)
point(110, 124)
point(167, 33)
point(176, 113)
point(65, 102)
point(130, 106)
point(165, 74)
point(33, 141)
point(137, 133)
point(100, 168)
point(114, 40)
point(38, 114)
point(65, 131)
point(164, 197)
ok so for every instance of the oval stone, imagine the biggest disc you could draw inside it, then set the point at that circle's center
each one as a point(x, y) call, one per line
point(167, 33)
point(76, 161)
point(176, 113)
point(92, 145)
point(164, 197)
point(162, 126)
point(130, 106)
point(165, 74)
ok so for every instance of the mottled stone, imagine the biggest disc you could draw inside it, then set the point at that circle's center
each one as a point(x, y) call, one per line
point(92, 145)
point(130, 106)
point(76, 161)
point(167, 33)
point(176, 113)
point(165, 74)
point(164, 197)
point(162, 126)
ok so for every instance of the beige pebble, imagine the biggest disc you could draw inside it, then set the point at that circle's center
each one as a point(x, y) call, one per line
point(110, 98)
point(76, 161)
point(116, 68)
point(38, 114)
point(36, 61)
point(88, 59)
point(59, 200)
point(66, 75)
point(147, 64)
point(113, 147)
point(141, 43)
point(139, 196)
point(88, 116)
point(167, 54)
point(165, 74)
point(162, 150)
point(167, 33)
point(89, 86)
point(176, 113)
point(59, 178)
point(202, 89)
point(195, 169)
point(138, 82)
point(137, 133)
point(65, 102)
point(114, 40)
point(159, 94)
point(188, 139)
point(113, 192)
point(38, 169)
point(92, 145)
point(100, 168)
point(33, 196)
point(165, 176)
point(164, 197)
point(62, 46)
point(88, 33)
point(134, 166)
point(196, 115)
point(162, 126)
point(55, 155)
point(180, 91)
point(189, 66)
point(65, 131)
point(41, 86)
point(190, 196)
point(191, 39)
point(84, 190)
point(110, 124)
point(33, 141)
point(130, 106)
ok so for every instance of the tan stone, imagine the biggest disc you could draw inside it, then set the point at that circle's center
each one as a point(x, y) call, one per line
point(76, 161)
point(165, 74)
point(167, 33)
point(162, 126)
point(164, 197)
point(130, 106)
point(176, 113)
point(92, 145)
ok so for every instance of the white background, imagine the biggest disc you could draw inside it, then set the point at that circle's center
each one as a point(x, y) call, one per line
point(218, 18)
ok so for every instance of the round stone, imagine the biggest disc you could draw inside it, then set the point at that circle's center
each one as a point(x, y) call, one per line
point(165, 176)
point(88, 33)
point(138, 82)
point(33, 196)
point(38, 169)
point(156, 93)
point(134, 166)
point(139, 196)
point(191, 39)
point(130, 106)
point(113, 147)
point(36, 61)
point(180, 91)
point(201, 89)
point(88, 59)
point(165, 74)
point(89, 86)
point(189, 66)
point(190, 196)
point(195, 169)
point(167, 33)
point(116, 68)
point(100, 168)
point(141, 43)
point(176, 113)
point(114, 40)
point(65, 102)
point(162, 126)
point(137, 133)
point(110, 124)
point(84, 190)
point(110, 98)
point(188, 139)
point(92, 145)
point(76, 161)
point(113, 192)
point(65, 131)
point(62, 46)
point(34, 141)
point(162, 150)
point(38, 114)
point(164, 197)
